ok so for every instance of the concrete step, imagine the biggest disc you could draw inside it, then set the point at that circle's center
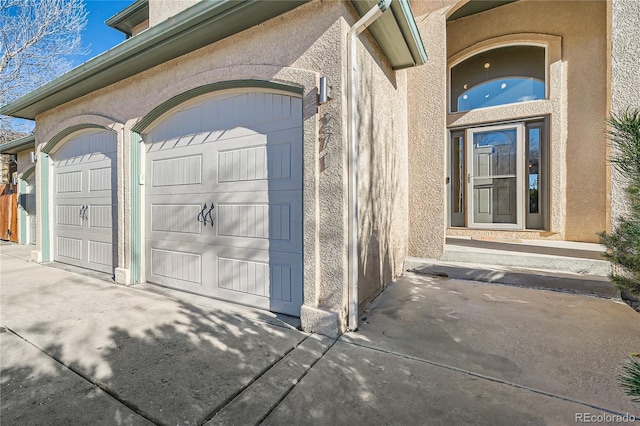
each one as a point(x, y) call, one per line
point(573, 282)
point(579, 262)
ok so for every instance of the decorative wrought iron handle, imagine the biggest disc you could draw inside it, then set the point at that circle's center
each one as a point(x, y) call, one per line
point(209, 214)
point(83, 212)
point(202, 218)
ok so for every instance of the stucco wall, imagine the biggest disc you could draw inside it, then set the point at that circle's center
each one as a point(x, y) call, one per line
point(160, 10)
point(427, 134)
point(268, 52)
point(624, 39)
point(383, 190)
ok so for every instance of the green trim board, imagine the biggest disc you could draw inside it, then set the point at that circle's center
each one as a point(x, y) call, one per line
point(19, 145)
point(134, 14)
point(136, 207)
point(26, 175)
point(396, 32)
point(44, 161)
point(204, 23)
point(166, 106)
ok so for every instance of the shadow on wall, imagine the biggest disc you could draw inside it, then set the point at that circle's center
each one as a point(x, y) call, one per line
point(380, 192)
point(178, 372)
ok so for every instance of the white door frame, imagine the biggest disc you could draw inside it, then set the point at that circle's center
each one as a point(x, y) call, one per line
point(520, 146)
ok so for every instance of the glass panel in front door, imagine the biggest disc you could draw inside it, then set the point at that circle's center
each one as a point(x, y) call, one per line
point(494, 177)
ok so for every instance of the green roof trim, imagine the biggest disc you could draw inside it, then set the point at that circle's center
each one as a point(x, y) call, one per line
point(200, 25)
point(158, 111)
point(134, 14)
point(396, 33)
point(19, 145)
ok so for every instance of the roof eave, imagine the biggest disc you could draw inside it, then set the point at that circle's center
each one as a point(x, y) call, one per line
point(18, 145)
point(397, 34)
point(189, 30)
point(129, 17)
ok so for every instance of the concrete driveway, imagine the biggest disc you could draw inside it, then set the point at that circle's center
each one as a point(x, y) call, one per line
point(79, 350)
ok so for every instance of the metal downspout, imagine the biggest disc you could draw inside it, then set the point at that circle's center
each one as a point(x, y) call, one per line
point(352, 119)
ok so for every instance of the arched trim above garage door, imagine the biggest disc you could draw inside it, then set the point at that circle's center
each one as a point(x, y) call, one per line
point(168, 105)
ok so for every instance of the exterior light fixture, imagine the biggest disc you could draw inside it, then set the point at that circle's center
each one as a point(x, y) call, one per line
point(324, 91)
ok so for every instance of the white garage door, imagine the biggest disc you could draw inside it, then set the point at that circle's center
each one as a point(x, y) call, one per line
point(30, 208)
point(224, 200)
point(84, 188)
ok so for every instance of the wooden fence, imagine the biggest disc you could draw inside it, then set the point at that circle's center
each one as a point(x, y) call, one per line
point(8, 213)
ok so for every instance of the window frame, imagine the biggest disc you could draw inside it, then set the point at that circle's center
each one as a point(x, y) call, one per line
point(476, 52)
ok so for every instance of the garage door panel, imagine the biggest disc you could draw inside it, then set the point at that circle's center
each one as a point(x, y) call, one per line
point(102, 179)
point(179, 265)
point(263, 278)
point(100, 216)
point(68, 215)
point(70, 248)
point(100, 256)
point(260, 163)
point(176, 218)
point(262, 220)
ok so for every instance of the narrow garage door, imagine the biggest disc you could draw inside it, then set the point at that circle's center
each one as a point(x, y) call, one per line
point(30, 208)
point(224, 200)
point(84, 188)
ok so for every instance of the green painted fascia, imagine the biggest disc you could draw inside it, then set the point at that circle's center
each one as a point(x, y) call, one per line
point(18, 145)
point(406, 21)
point(136, 207)
point(158, 111)
point(200, 25)
point(396, 32)
point(43, 205)
point(134, 14)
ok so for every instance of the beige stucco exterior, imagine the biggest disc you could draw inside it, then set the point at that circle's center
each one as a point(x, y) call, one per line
point(266, 52)
point(575, 40)
point(160, 10)
point(403, 128)
point(624, 81)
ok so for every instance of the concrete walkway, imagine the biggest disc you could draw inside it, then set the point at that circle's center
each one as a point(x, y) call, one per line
point(77, 350)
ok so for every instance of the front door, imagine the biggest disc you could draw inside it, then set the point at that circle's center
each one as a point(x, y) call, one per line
point(495, 177)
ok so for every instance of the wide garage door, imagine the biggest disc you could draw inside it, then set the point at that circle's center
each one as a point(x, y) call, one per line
point(224, 200)
point(84, 188)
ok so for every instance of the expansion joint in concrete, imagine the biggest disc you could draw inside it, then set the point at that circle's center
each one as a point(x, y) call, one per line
point(114, 395)
point(285, 394)
point(253, 403)
point(488, 378)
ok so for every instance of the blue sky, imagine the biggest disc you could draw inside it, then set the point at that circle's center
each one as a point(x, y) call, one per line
point(98, 37)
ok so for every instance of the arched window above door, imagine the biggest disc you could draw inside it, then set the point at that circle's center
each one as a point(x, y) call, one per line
point(500, 76)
